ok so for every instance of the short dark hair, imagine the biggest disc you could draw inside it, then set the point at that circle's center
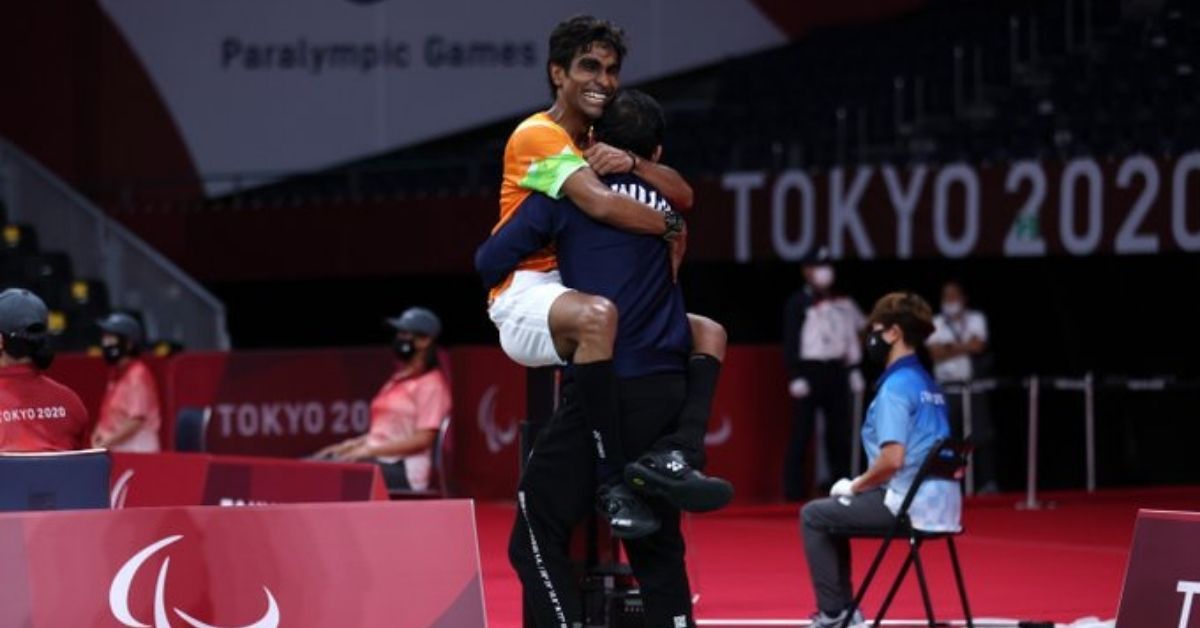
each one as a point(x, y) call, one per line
point(909, 312)
point(577, 35)
point(632, 121)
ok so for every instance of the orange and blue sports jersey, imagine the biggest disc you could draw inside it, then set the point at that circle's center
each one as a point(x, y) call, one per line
point(631, 270)
point(539, 157)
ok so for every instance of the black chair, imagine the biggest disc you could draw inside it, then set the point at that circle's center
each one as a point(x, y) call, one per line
point(54, 480)
point(20, 238)
point(946, 461)
point(437, 478)
point(191, 426)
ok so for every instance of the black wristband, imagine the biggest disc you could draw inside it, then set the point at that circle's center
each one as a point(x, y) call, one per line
point(635, 161)
point(675, 225)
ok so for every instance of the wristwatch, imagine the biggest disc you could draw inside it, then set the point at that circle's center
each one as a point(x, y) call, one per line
point(675, 224)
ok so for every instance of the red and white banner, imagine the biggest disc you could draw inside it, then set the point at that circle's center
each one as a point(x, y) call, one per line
point(489, 406)
point(363, 565)
point(280, 403)
point(751, 420)
point(287, 404)
point(177, 479)
point(1162, 581)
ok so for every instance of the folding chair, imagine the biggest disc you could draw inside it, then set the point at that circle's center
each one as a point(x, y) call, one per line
point(946, 461)
point(191, 429)
point(437, 482)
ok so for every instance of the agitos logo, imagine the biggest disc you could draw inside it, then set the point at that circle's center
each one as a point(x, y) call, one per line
point(118, 594)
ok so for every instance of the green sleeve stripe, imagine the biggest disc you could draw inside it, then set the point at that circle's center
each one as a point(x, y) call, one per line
point(548, 175)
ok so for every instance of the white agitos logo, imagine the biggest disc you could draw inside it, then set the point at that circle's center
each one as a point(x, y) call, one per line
point(120, 490)
point(118, 594)
point(497, 438)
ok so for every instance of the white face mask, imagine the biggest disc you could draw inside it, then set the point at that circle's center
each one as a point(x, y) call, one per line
point(822, 277)
point(952, 308)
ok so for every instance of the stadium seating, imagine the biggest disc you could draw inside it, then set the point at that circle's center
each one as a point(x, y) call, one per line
point(75, 303)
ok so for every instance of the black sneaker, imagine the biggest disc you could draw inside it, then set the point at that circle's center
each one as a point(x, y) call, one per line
point(668, 474)
point(628, 515)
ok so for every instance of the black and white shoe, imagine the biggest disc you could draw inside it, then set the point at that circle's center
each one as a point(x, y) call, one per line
point(626, 513)
point(821, 620)
point(668, 474)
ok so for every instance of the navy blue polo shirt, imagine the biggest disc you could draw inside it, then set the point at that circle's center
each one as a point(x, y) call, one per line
point(633, 271)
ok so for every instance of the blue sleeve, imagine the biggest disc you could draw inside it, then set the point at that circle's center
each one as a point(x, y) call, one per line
point(530, 229)
point(896, 408)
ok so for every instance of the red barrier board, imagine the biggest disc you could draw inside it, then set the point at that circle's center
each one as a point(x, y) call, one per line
point(489, 405)
point(363, 565)
point(289, 403)
point(171, 479)
point(751, 421)
point(176, 479)
point(750, 424)
point(280, 403)
point(1162, 581)
point(237, 481)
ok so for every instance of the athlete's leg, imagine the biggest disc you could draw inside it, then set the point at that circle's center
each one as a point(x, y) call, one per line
point(584, 328)
point(671, 468)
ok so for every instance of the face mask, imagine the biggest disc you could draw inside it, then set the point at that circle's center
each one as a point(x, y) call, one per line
point(878, 349)
point(112, 353)
point(405, 349)
point(822, 277)
point(952, 308)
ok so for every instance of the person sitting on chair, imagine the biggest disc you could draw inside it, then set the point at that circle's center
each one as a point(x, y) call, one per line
point(904, 422)
point(408, 410)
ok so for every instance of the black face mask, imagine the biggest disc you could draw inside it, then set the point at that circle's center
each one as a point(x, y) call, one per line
point(405, 349)
point(112, 353)
point(878, 349)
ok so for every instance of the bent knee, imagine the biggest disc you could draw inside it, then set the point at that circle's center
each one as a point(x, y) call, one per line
point(708, 336)
point(598, 314)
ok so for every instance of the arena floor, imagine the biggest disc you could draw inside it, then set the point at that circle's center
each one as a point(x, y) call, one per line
point(747, 565)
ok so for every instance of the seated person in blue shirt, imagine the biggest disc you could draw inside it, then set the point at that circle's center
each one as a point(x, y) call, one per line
point(904, 422)
point(633, 121)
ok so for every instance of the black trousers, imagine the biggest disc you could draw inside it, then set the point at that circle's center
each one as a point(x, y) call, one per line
point(829, 391)
point(557, 491)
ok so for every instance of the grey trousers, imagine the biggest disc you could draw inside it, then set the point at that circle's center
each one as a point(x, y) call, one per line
point(829, 554)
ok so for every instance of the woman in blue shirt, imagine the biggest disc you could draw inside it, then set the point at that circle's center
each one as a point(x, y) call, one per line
point(905, 420)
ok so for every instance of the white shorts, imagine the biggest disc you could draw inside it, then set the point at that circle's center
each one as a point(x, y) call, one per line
point(522, 315)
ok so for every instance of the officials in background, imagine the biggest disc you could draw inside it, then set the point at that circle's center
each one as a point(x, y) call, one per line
point(822, 350)
point(37, 414)
point(959, 348)
point(408, 410)
point(131, 410)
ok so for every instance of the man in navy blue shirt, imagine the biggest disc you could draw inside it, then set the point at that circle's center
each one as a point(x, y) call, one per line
point(651, 358)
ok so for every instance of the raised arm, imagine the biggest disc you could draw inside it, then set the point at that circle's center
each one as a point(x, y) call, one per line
point(603, 204)
point(606, 160)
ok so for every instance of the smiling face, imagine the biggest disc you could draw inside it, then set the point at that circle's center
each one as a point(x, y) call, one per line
point(590, 82)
